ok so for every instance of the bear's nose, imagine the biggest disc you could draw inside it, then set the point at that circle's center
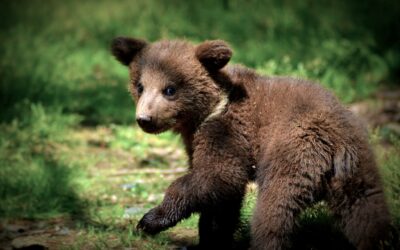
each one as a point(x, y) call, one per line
point(144, 121)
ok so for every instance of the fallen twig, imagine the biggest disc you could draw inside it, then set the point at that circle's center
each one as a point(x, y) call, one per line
point(149, 171)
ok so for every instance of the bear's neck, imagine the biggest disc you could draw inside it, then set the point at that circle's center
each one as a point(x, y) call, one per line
point(188, 131)
point(218, 108)
point(187, 135)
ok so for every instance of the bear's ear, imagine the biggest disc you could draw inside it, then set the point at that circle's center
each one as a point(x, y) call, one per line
point(125, 48)
point(213, 54)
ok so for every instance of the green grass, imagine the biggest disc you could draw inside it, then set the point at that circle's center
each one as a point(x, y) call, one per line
point(35, 180)
point(389, 159)
point(68, 150)
point(89, 177)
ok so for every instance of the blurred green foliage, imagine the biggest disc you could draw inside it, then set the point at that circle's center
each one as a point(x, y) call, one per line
point(56, 52)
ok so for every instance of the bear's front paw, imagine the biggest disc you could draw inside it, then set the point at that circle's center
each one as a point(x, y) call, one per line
point(154, 222)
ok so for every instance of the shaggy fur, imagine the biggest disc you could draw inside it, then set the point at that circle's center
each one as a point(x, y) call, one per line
point(306, 146)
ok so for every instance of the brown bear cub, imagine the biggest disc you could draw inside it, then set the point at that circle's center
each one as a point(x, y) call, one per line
point(291, 136)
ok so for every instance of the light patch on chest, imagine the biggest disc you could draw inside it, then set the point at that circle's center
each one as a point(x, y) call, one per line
point(219, 108)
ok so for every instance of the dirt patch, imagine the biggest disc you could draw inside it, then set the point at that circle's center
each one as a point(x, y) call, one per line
point(32, 234)
point(382, 111)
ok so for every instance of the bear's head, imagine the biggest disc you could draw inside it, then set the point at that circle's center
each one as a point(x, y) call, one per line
point(175, 84)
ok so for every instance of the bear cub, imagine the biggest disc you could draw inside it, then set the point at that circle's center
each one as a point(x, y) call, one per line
point(290, 136)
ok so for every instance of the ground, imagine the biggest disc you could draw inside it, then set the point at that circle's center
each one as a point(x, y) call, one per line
point(125, 174)
point(120, 187)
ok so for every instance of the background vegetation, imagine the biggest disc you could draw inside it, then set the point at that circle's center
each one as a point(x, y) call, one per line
point(72, 166)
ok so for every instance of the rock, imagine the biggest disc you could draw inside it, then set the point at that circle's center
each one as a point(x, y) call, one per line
point(63, 231)
point(132, 211)
point(29, 243)
point(129, 186)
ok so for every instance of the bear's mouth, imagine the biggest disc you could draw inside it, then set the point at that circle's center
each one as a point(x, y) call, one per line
point(157, 126)
point(152, 129)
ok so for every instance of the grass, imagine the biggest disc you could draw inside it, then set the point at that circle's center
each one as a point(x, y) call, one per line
point(34, 181)
point(100, 181)
point(69, 157)
point(389, 158)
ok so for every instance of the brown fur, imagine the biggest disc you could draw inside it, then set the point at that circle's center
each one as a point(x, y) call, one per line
point(305, 145)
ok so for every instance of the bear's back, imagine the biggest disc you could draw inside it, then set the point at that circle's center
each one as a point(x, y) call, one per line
point(283, 107)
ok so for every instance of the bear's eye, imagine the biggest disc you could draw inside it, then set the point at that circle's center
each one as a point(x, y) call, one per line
point(169, 91)
point(139, 88)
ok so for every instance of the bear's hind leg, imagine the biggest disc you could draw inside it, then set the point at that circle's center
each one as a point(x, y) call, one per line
point(279, 202)
point(365, 219)
point(218, 224)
